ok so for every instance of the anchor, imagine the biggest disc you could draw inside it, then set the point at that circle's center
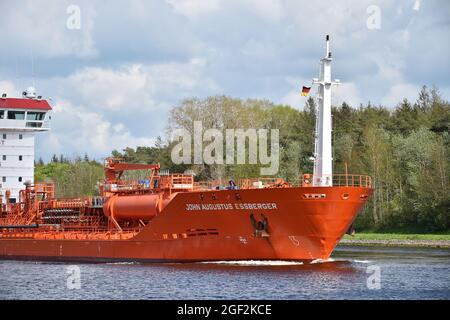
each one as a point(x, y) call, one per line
point(260, 226)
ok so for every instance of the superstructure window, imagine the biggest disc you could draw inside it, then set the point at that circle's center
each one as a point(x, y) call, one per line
point(20, 158)
point(16, 115)
point(2, 114)
point(20, 136)
point(34, 124)
point(4, 179)
point(35, 116)
point(4, 157)
point(4, 136)
point(20, 179)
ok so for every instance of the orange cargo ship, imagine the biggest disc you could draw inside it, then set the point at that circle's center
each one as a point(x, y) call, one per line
point(171, 218)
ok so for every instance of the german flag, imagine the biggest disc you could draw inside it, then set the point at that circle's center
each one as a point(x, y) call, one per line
point(305, 91)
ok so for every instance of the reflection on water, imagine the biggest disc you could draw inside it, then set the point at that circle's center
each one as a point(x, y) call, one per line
point(406, 273)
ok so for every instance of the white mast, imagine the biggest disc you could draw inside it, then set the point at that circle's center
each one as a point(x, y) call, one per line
point(323, 161)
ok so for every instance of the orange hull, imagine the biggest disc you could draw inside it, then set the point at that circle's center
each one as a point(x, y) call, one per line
point(303, 224)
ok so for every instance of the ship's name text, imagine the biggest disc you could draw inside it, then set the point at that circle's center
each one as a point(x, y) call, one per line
point(231, 206)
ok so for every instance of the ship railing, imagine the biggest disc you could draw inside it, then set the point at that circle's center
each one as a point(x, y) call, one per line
point(177, 181)
point(340, 180)
point(68, 203)
point(261, 183)
point(44, 188)
point(249, 183)
point(352, 180)
point(211, 184)
point(181, 181)
point(127, 185)
point(98, 229)
point(172, 181)
point(88, 201)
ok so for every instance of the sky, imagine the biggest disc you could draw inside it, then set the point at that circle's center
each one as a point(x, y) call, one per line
point(113, 70)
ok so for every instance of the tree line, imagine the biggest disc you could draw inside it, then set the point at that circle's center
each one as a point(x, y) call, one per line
point(404, 149)
point(72, 177)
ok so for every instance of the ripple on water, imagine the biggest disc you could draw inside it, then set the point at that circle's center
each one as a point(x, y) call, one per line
point(405, 274)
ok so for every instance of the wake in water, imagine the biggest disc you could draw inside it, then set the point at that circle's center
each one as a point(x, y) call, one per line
point(323, 261)
point(271, 263)
point(329, 260)
point(253, 263)
point(362, 261)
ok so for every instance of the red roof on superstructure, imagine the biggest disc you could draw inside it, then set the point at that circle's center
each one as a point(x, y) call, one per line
point(24, 103)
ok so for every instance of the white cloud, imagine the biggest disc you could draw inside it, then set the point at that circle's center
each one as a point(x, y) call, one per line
point(42, 28)
point(346, 92)
point(294, 99)
point(136, 86)
point(258, 49)
point(78, 129)
point(98, 109)
point(400, 91)
point(93, 104)
point(9, 88)
point(81, 130)
point(272, 10)
point(195, 8)
point(110, 89)
point(392, 79)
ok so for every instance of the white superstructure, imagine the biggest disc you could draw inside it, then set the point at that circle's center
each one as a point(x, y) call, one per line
point(20, 119)
point(323, 159)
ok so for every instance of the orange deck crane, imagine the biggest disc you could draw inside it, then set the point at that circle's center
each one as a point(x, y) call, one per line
point(115, 167)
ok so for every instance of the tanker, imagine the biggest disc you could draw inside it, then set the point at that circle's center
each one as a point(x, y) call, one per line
point(172, 218)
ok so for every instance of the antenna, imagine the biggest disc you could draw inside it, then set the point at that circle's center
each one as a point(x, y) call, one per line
point(30, 93)
point(17, 74)
point(32, 68)
point(32, 53)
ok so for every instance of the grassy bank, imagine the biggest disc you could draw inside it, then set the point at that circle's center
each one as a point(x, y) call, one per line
point(398, 240)
point(397, 236)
